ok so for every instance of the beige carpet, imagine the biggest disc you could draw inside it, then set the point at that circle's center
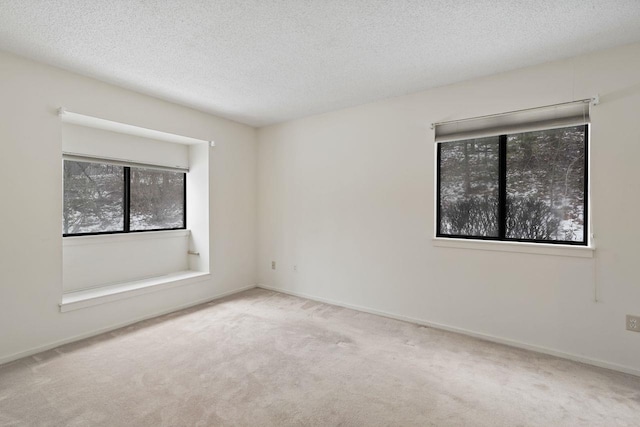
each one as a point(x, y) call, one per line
point(262, 358)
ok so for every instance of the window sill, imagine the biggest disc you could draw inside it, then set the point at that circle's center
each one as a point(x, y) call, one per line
point(90, 297)
point(518, 247)
point(98, 239)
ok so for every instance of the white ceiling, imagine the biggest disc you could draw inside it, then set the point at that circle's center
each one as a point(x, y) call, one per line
point(261, 62)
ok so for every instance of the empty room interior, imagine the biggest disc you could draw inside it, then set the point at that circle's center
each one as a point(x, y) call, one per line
point(323, 213)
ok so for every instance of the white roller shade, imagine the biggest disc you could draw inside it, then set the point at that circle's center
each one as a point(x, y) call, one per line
point(549, 117)
point(120, 162)
point(82, 141)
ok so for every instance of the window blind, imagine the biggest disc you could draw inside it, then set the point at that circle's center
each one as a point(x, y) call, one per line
point(549, 117)
point(90, 144)
point(121, 162)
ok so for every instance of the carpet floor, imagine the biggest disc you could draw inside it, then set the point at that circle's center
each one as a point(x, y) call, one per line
point(262, 358)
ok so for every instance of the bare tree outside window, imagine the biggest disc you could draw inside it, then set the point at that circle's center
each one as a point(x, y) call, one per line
point(93, 197)
point(539, 196)
point(105, 198)
point(157, 199)
point(469, 187)
point(545, 185)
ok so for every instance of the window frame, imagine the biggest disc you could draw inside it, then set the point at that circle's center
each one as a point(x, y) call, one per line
point(126, 200)
point(502, 197)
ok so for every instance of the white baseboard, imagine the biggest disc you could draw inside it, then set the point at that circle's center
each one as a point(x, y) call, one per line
point(39, 349)
point(486, 337)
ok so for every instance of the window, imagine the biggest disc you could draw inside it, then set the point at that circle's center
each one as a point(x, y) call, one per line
point(525, 187)
point(103, 198)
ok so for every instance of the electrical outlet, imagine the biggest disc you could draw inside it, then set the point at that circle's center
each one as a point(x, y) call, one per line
point(633, 323)
point(273, 265)
point(295, 268)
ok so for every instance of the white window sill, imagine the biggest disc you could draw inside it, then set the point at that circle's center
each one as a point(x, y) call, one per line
point(519, 247)
point(103, 294)
point(99, 239)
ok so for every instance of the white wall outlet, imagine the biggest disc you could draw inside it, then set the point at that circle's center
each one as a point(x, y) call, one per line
point(295, 268)
point(633, 323)
point(273, 265)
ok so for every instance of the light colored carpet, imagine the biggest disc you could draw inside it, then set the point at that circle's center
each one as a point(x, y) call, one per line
point(262, 358)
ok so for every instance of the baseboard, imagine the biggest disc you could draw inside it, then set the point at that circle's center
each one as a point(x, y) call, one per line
point(486, 337)
point(482, 336)
point(39, 349)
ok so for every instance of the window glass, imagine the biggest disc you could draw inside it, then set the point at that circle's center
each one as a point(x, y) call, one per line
point(157, 199)
point(521, 187)
point(93, 198)
point(545, 185)
point(469, 187)
point(105, 198)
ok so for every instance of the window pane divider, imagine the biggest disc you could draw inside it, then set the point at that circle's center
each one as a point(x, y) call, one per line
point(502, 187)
point(127, 199)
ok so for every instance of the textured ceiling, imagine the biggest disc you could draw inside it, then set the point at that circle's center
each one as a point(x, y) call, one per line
point(261, 62)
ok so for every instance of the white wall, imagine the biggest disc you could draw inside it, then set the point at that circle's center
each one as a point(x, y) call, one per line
point(31, 203)
point(93, 261)
point(348, 197)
